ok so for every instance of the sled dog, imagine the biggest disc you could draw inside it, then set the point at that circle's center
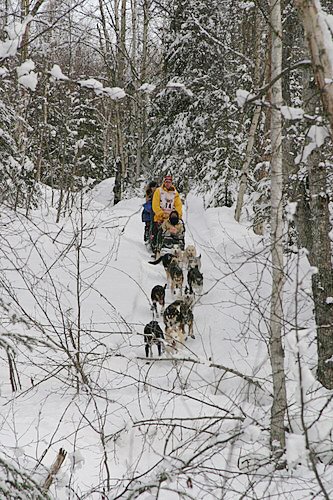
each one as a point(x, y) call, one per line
point(153, 334)
point(174, 338)
point(158, 297)
point(195, 280)
point(176, 277)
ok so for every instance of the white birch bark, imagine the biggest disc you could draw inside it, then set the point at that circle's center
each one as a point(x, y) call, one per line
point(276, 313)
point(320, 43)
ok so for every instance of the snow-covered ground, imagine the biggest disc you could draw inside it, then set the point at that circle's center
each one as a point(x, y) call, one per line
point(192, 426)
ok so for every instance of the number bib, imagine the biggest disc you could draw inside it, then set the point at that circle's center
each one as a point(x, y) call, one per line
point(167, 200)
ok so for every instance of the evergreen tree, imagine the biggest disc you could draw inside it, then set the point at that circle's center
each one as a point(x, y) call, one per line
point(88, 146)
point(194, 133)
point(17, 185)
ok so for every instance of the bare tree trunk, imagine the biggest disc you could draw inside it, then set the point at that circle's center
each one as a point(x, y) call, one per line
point(319, 248)
point(254, 123)
point(316, 235)
point(121, 45)
point(246, 165)
point(106, 46)
point(25, 11)
point(55, 469)
point(143, 76)
point(276, 315)
point(25, 4)
point(5, 15)
point(120, 25)
point(317, 34)
point(136, 122)
point(322, 281)
point(117, 190)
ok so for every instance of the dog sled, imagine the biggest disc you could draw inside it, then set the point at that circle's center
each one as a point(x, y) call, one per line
point(167, 242)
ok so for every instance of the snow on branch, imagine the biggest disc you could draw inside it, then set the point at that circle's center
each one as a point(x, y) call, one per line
point(243, 96)
point(57, 74)
point(91, 83)
point(26, 76)
point(256, 98)
point(15, 32)
point(290, 113)
point(179, 86)
point(317, 135)
point(147, 88)
point(115, 93)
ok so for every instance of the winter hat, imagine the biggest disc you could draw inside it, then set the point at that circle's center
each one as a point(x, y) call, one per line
point(168, 178)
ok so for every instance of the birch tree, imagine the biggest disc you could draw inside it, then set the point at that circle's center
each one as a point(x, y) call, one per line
point(319, 39)
point(317, 235)
point(318, 33)
point(276, 314)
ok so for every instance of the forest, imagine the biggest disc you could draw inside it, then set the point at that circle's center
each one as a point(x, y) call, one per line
point(234, 100)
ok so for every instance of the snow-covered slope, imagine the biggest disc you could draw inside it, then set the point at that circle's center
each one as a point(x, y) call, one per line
point(196, 424)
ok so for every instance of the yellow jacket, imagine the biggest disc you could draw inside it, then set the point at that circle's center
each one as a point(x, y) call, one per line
point(164, 201)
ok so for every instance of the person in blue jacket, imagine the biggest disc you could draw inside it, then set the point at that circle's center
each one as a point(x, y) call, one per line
point(147, 213)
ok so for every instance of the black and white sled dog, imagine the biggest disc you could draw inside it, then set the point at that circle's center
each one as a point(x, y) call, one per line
point(153, 334)
point(166, 260)
point(195, 280)
point(178, 315)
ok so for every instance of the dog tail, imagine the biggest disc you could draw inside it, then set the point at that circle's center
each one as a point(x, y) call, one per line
point(156, 261)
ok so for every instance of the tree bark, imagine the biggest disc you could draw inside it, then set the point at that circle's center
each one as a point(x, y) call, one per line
point(320, 249)
point(317, 34)
point(322, 281)
point(55, 468)
point(120, 25)
point(255, 120)
point(246, 164)
point(142, 155)
point(276, 314)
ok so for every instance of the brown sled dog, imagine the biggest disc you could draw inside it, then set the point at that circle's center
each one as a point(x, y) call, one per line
point(174, 338)
point(158, 297)
point(179, 314)
point(176, 277)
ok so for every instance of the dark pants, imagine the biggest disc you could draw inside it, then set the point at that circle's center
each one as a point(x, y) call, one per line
point(146, 234)
point(156, 236)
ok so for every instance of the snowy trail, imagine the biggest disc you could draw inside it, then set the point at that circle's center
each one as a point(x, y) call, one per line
point(128, 396)
point(132, 278)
